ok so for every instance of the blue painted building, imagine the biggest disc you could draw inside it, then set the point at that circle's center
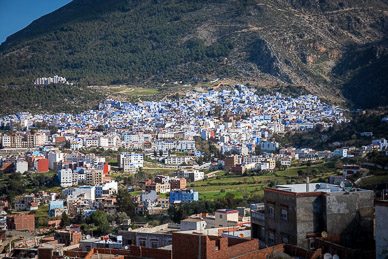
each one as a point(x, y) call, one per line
point(53, 205)
point(183, 196)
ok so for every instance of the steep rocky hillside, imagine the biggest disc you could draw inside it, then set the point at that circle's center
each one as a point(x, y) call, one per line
point(336, 49)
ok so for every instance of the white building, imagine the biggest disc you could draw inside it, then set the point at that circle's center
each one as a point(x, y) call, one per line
point(76, 144)
point(39, 139)
point(177, 160)
point(92, 142)
point(269, 146)
point(185, 145)
point(54, 158)
point(80, 193)
point(130, 162)
point(191, 176)
point(6, 141)
point(65, 177)
point(21, 166)
point(193, 224)
point(106, 189)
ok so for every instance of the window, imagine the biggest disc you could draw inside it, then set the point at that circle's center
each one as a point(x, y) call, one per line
point(284, 214)
point(285, 239)
point(220, 216)
point(142, 243)
point(154, 244)
point(312, 243)
point(271, 211)
point(272, 239)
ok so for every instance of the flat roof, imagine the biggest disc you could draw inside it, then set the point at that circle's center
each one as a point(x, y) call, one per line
point(193, 220)
point(227, 211)
point(312, 187)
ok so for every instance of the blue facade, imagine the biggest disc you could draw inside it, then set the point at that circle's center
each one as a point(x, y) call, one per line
point(53, 205)
point(184, 196)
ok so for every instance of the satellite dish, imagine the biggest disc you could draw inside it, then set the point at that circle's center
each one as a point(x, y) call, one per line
point(241, 235)
point(126, 247)
point(88, 237)
point(342, 184)
point(318, 186)
point(324, 234)
point(327, 256)
point(335, 257)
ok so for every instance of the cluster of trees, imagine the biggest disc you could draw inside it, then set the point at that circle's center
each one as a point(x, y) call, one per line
point(180, 212)
point(208, 149)
point(347, 133)
point(15, 184)
point(48, 98)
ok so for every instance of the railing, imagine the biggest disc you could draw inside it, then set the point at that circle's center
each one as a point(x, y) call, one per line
point(258, 215)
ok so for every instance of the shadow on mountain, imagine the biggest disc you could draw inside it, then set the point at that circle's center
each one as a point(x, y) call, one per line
point(365, 70)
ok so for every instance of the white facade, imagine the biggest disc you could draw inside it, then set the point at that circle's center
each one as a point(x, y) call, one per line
point(80, 193)
point(21, 166)
point(6, 141)
point(66, 177)
point(76, 144)
point(107, 188)
point(54, 158)
point(92, 142)
point(130, 162)
point(185, 145)
point(269, 146)
point(104, 142)
point(39, 139)
point(177, 160)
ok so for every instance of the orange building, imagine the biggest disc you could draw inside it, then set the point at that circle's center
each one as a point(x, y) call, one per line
point(43, 165)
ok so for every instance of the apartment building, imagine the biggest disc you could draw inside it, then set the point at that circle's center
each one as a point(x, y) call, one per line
point(297, 213)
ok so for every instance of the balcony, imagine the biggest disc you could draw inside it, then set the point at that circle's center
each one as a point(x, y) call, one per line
point(257, 216)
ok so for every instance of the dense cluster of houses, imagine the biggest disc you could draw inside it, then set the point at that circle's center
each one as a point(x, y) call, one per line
point(240, 125)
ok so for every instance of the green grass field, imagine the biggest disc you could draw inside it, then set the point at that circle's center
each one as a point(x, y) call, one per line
point(245, 186)
point(42, 212)
point(240, 186)
point(123, 90)
point(376, 179)
point(293, 171)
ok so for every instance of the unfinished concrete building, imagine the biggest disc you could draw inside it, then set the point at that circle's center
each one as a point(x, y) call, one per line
point(298, 213)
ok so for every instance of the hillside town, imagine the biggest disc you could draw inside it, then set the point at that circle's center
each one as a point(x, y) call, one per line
point(130, 180)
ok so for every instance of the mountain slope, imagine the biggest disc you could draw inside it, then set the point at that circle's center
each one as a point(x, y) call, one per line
point(305, 43)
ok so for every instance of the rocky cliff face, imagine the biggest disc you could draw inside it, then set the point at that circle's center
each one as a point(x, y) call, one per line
point(336, 49)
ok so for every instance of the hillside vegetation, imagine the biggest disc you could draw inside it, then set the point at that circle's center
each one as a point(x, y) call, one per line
point(50, 99)
point(335, 49)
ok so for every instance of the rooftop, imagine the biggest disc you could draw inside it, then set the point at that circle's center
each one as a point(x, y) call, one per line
point(312, 187)
point(226, 211)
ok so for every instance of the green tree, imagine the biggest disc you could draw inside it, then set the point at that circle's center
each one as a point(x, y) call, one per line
point(125, 203)
point(65, 220)
point(120, 217)
point(100, 219)
point(53, 130)
point(177, 213)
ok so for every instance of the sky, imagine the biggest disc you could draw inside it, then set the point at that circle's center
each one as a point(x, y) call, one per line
point(17, 14)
